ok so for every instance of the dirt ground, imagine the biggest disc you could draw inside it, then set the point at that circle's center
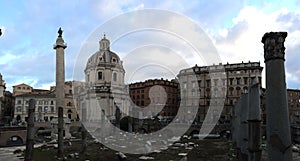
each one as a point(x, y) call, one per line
point(204, 150)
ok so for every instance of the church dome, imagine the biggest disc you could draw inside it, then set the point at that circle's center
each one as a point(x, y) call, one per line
point(103, 56)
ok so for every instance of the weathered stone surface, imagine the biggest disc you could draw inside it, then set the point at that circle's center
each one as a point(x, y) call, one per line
point(30, 131)
point(274, 45)
point(254, 124)
point(278, 126)
point(59, 90)
point(254, 103)
point(244, 123)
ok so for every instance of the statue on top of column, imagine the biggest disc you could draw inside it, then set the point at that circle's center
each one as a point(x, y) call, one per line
point(60, 31)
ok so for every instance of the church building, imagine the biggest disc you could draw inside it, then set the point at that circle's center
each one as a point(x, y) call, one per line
point(105, 91)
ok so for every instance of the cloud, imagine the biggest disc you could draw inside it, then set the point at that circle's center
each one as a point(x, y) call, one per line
point(242, 41)
point(30, 30)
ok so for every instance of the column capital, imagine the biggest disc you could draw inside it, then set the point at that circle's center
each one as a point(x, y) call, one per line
point(274, 45)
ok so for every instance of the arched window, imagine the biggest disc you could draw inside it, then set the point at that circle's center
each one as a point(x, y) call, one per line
point(40, 109)
point(69, 104)
point(115, 77)
point(70, 114)
point(100, 76)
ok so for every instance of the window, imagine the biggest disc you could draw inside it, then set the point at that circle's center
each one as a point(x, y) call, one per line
point(69, 104)
point(46, 109)
point(19, 109)
point(245, 80)
point(19, 102)
point(184, 85)
point(52, 109)
point(40, 109)
point(52, 102)
point(46, 102)
point(238, 81)
point(100, 77)
point(115, 77)
point(40, 102)
point(70, 114)
point(231, 81)
point(199, 83)
point(193, 84)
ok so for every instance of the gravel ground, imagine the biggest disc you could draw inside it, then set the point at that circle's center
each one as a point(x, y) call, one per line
point(201, 150)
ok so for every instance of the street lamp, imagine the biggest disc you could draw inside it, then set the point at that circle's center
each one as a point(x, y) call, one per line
point(0, 32)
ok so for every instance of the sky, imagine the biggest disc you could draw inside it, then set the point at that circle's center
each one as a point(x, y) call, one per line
point(235, 29)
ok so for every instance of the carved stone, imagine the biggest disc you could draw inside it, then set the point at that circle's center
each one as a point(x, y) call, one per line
point(278, 127)
point(274, 45)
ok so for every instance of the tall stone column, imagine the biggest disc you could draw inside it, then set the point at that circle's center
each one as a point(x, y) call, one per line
point(59, 89)
point(278, 125)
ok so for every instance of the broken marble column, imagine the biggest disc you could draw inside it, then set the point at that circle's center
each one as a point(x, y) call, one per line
point(278, 125)
point(233, 125)
point(60, 128)
point(30, 131)
point(244, 127)
point(254, 122)
point(130, 120)
point(102, 125)
point(83, 139)
point(238, 136)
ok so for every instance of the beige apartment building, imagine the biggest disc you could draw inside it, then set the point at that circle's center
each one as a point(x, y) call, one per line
point(217, 86)
point(45, 103)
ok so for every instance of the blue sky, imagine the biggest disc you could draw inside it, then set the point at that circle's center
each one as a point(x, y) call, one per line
point(30, 30)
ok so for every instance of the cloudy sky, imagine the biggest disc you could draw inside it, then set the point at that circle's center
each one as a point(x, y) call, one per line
point(235, 29)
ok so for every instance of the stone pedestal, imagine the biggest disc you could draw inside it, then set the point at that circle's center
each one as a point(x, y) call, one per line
point(278, 126)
